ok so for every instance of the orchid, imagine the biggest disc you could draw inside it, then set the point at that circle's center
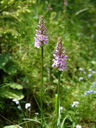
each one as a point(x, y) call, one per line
point(59, 57)
point(41, 37)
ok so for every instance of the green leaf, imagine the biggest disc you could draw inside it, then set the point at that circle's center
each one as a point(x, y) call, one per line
point(56, 101)
point(93, 62)
point(33, 120)
point(55, 81)
point(10, 68)
point(66, 117)
point(12, 126)
point(4, 58)
point(7, 64)
point(10, 94)
point(15, 86)
point(77, 13)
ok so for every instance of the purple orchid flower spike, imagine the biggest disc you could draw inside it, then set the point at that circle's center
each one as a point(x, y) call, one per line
point(41, 37)
point(65, 2)
point(59, 57)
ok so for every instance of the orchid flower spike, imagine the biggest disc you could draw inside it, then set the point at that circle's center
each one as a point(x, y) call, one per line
point(41, 37)
point(59, 56)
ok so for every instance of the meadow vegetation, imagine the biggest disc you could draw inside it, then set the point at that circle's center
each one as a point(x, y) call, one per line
point(20, 63)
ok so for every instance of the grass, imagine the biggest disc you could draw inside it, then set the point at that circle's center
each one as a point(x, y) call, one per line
point(75, 23)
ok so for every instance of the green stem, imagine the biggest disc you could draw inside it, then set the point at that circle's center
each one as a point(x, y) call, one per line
point(23, 116)
point(58, 99)
point(41, 85)
point(58, 91)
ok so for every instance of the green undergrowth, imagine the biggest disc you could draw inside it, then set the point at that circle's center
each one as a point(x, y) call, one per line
point(20, 72)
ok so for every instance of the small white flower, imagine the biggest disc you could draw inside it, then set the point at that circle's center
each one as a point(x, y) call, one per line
point(89, 91)
point(36, 113)
point(27, 105)
point(89, 75)
point(90, 70)
point(84, 72)
point(61, 108)
point(81, 78)
point(72, 105)
point(19, 107)
point(85, 94)
point(94, 83)
point(95, 92)
point(29, 109)
point(75, 103)
point(93, 72)
point(78, 126)
point(16, 101)
point(81, 69)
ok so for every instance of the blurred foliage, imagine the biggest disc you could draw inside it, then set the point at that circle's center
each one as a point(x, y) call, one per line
point(20, 60)
point(12, 126)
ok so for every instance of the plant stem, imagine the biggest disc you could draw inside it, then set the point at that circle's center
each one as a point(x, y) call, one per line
point(58, 92)
point(23, 116)
point(58, 98)
point(41, 85)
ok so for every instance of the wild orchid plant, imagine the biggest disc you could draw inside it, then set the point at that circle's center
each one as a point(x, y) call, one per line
point(59, 59)
point(41, 39)
point(59, 63)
